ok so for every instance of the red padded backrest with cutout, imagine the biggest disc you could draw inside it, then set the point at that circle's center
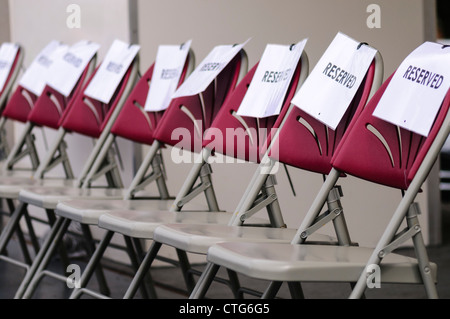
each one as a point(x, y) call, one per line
point(378, 151)
point(20, 105)
point(51, 107)
point(229, 136)
point(133, 122)
point(88, 116)
point(306, 143)
point(185, 129)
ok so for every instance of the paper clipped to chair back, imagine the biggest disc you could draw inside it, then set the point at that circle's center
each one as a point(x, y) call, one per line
point(67, 70)
point(205, 73)
point(169, 64)
point(334, 81)
point(265, 96)
point(111, 71)
point(417, 89)
point(8, 53)
point(35, 77)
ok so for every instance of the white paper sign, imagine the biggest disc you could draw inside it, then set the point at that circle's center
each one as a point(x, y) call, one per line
point(334, 81)
point(8, 52)
point(271, 80)
point(417, 89)
point(169, 64)
point(111, 71)
point(35, 77)
point(66, 71)
point(208, 69)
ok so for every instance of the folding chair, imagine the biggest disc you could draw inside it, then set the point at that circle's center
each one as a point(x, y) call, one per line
point(36, 112)
point(304, 143)
point(376, 151)
point(5, 95)
point(142, 131)
point(185, 112)
point(144, 125)
point(141, 224)
point(89, 118)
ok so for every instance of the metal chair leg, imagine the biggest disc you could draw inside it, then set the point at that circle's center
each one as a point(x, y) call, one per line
point(204, 281)
point(422, 257)
point(20, 235)
point(272, 290)
point(234, 283)
point(132, 254)
point(42, 259)
point(12, 224)
point(142, 270)
point(90, 247)
point(51, 216)
point(185, 268)
point(147, 280)
point(92, 264)
point(296, 290)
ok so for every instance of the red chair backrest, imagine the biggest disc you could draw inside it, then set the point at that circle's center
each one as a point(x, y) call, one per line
point(133, 122)
point(21, 101)
point(87, 116)
point(192, 115)
point(306, 143)
point(229, 136)
point(384, 153)
point(20, 105)
point(45, 110)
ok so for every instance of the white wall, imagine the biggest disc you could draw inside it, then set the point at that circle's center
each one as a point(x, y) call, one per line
point(209, 23)
point(4, 21)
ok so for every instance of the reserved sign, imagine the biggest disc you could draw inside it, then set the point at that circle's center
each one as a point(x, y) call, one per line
point(334, 81)
point(67, 70)
point(205, 73)
point(111, 71)
point(169, 64)
point(417, 89)
point(35, 77)
point(266, 93)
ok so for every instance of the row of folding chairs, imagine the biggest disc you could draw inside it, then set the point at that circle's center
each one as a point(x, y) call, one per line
point(242, 241)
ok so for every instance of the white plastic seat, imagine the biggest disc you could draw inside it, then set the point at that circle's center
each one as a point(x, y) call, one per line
point(88, 212)
point(142, 224)
point(198, 238)
point(311, 263)
point(11, 185)
point(49, 196)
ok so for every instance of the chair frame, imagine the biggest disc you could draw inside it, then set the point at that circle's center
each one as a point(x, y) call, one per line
point(51, 159)
point(18, 63)
point(200, 171)
point(393, 236)
point(263, 184)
